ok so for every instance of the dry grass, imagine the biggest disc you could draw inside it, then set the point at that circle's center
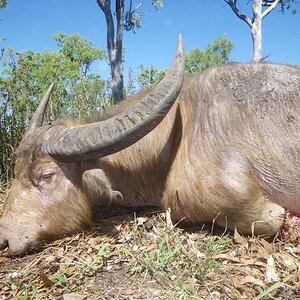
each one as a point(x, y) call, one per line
point(132, 255)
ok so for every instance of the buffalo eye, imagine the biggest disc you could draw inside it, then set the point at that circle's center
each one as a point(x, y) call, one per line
point(47, 176)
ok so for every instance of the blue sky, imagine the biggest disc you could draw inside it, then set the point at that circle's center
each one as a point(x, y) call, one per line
point(30, 24)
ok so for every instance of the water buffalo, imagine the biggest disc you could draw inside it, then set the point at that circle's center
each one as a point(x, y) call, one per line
point(228, 150)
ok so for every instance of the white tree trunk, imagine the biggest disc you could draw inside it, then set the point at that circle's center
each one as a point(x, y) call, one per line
point(256, 30)
point(114, 45)
point(255, 23)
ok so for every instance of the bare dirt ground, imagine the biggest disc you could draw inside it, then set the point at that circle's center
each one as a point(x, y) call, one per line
point(133, 254)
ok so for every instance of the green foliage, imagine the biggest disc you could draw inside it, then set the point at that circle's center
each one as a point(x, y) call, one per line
point(213, 55)
point(216, 245)
point(286, 4)
point(26, 76)
point(292, 65)
point(196, 61)
point(161, 256)
point(133, 17)
point(3, 3)
point(78, 49)
point(157, 4)
point(149, 77)
point(101, 261)
point(29, 292)
point(133, 20)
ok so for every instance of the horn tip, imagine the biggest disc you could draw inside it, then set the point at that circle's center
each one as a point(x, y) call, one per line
point(51, 86)
point(180, 46)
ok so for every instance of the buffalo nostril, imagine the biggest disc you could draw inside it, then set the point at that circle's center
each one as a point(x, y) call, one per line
point(3, 244)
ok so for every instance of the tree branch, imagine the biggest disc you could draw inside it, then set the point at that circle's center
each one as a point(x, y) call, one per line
point(232, 4)
point(270, 8)
point(119, 36)
point(105, 7)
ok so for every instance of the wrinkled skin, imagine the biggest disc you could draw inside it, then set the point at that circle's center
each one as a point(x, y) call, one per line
point(228, 152)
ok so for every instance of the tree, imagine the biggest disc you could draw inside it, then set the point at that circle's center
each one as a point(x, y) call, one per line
point(260, 9)
point(213, 55)
point(129, 21)
point(196, 60)
point(149, 77)
point(26, 76)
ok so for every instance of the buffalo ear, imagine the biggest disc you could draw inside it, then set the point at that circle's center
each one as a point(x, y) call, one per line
point(97, 185)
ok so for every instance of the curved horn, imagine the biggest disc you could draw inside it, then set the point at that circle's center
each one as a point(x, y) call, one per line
point(95, 140)
point(38, 117)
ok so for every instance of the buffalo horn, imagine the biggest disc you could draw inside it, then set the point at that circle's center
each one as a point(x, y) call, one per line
point(38, 117)
point(95, 140)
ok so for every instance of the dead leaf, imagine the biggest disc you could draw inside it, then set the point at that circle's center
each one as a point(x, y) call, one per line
point(3, 260)
point(288, 260)
point(227, 257)
point(141, 220)
point(46, 281)
point(51, 259)
point(271, 274)
point(150, 247)
point(183, 251)
point(252, 261)
point(266, 245)
point(168, 218)
point(254, 247)
point(238, 239)
point(253, 280)
point(156, 231)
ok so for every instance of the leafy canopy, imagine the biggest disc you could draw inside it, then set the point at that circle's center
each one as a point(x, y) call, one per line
point(197, 60)
point(213, 55)
point(133, 17)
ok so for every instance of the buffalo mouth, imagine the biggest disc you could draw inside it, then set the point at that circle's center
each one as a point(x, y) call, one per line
point(16, 247)
point(4, 247)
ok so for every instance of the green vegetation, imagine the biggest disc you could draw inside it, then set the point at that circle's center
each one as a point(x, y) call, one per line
point(197, 60)
point(160, 257)
point(215, 54)
point(26, 76)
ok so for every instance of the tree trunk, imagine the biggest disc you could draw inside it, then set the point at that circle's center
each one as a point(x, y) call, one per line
point(256, 30)
point(117, 69)
point(117, 80)
point(255, 23)
point(114, 47)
